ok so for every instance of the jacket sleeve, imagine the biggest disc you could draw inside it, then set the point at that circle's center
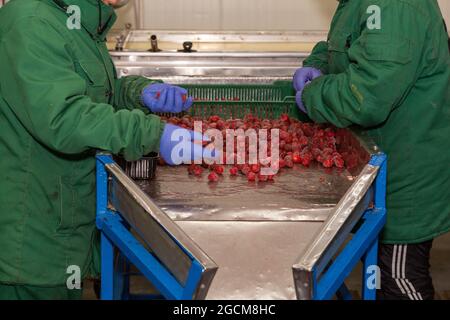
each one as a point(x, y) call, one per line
point(48, 97)
point(128, 92)
point(318, 58)
point(383, 67)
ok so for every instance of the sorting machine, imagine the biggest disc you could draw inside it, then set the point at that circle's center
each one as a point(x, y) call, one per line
point(297, 238)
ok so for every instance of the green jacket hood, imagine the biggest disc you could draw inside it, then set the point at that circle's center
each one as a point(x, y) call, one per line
point(96, 17)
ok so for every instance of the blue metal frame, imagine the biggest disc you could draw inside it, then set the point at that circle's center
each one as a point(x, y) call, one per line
point(363, 246)
point(115, 235)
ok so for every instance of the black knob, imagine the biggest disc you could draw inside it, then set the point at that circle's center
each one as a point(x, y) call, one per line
point(187, 46)
point(154, 43)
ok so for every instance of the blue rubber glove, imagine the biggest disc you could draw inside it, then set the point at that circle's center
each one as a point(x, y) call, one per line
point(177, 146)
point(166, 98)
point(302, 78)
point(298, 99)
point(305, 75)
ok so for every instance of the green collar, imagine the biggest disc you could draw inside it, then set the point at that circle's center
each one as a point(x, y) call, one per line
point(96, 23)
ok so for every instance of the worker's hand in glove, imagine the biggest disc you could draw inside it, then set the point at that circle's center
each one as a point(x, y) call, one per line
point(299, 100)
point(183, 146)
point(305, 75)
point(166, 98)
point(302, 78)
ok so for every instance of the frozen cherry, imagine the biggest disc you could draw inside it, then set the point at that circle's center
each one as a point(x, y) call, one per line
point(306, 162)
point(284, 117)
point(339, 162)
point(191, 168)
point(296, 158)
point(198, 171)
point(330, 133)
point(262, 177)
point(213, 177)
point(214, 118)
point(255, 168)
point(219, 169)
point(328, 163)
point(289, 164)
point(284, 135)
point(234, 171)
point(251, 176)
point(245, 169)
point(288, 147)
point(303, 141)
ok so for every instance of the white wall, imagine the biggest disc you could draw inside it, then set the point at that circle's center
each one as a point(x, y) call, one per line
point(233, 14)
point(238, 14)
point(445, 8)
point(288, 15)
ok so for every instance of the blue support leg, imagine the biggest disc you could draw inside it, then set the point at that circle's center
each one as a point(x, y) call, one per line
point(107, 275)
point(371, 257)
point(116, 237)
point(361, 242)
point(112, 226)
point(119, 277)
point(370, 273)
point(194, 277)
point(380, 182)
point(126, 272)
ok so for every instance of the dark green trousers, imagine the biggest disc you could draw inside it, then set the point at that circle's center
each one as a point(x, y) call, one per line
point(23, 292)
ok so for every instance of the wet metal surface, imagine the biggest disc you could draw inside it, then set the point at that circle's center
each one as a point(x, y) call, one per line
point(254, 232)
point(255, 258)
point(299, 194)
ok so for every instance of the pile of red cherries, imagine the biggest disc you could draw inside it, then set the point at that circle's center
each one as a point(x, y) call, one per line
point(300, 144)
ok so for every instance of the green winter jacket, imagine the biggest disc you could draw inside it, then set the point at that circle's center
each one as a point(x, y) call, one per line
point(387, 68)
point(60, 102)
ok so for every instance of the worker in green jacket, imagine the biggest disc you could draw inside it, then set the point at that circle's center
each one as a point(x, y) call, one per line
point(386, 69)
point(60, 102)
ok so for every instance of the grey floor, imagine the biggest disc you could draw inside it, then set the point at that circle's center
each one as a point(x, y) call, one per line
point(440, 270)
